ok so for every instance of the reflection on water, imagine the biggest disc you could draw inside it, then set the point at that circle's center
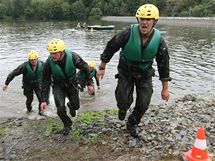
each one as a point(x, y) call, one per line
point(192, 51)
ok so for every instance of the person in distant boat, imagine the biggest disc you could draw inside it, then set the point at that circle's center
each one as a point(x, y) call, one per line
point(140, 44)
point(32, 75)
point(84, 25)
point(78, 26)
point(60, 71)
point(82, 79)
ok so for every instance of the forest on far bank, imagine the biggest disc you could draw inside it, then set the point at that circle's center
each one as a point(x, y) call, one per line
point(94, 9)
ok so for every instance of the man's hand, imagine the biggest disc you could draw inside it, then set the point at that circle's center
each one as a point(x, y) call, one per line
point(5, 88)
point(43, 106)
point(165, 94)
point(165, 91)
point(90, 89)
point(100, 74)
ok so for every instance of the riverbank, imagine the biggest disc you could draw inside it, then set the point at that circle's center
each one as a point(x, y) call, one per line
point(165, 132)
point(173, 21)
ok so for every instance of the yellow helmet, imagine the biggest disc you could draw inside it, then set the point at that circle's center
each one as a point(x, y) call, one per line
point(148, 11)
point(55, 45)
point(91, 64)
point(33, 55)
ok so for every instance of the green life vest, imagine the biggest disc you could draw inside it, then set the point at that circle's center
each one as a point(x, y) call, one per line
point(34, 77)
point(133, 54)
point(70, 69)
point(92, 74)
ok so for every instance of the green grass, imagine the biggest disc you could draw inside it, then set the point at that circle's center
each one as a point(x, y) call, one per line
point(81, 122)
point(4, 129)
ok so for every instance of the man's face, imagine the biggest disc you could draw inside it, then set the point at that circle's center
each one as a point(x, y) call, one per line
point(33, 62)
point(91, 68)
point(56, 56)
point(146, 25)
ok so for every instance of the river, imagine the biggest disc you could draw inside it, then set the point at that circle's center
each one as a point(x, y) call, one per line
point(191, 48)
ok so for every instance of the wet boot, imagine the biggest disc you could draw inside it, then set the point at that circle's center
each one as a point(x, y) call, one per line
point(72, 111)
point(66, 130)
point(48, 102)
point(29, 109)
point(131, 126)
point(121, 114)
point(41, 113)
point(132, 130)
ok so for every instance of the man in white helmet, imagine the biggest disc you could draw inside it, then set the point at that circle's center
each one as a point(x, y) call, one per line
point(140, 44)
point(32, 75)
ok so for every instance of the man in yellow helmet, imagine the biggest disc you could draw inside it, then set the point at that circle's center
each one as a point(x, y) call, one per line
point(60, 71)
point(140, 44)
point(82, 80)
point(32, 75)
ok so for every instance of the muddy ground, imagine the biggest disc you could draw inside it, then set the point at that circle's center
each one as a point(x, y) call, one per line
point(95, 136)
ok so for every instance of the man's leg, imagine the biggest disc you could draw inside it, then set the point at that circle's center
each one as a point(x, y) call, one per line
point(59, 98)
point(28, 92)
point(74, 103)
point(37, 91)
point(144, 93)
point(124, 96)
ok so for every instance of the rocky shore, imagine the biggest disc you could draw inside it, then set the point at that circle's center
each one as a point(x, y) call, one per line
point(165, 132)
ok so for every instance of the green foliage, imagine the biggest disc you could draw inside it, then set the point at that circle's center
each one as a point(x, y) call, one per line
point(3, 10)
point(81, 10)
point(66, 10)
point(4, 129)
point(89, 117)
point(78, 11)
point(83, 121)
point(210, 6)
point(198, 11)
point(52, 125)
point(95, 13)
point(183, 14)
point(39, 9)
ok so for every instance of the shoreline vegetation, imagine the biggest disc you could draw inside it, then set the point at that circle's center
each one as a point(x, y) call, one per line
point(175, 21)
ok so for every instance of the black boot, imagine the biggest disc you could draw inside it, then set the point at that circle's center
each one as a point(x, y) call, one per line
point(121, 114)
point(66, 130)
point(72, 111)
point(132, 130)
point(132, 126)
point(29, 109)
point(41, 113)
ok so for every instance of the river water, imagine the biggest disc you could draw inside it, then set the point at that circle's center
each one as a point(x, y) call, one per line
point(191, 48)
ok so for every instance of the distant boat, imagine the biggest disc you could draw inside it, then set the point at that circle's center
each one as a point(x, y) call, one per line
point(100, 27)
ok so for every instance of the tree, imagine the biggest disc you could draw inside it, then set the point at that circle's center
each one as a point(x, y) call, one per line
point(95, 13)
point(56, 9)
point(3, 10)
point(211, 7)
point(78, 11)
point(66, 10)
point(198, 11)
point(18, 8)
point(39, 9)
